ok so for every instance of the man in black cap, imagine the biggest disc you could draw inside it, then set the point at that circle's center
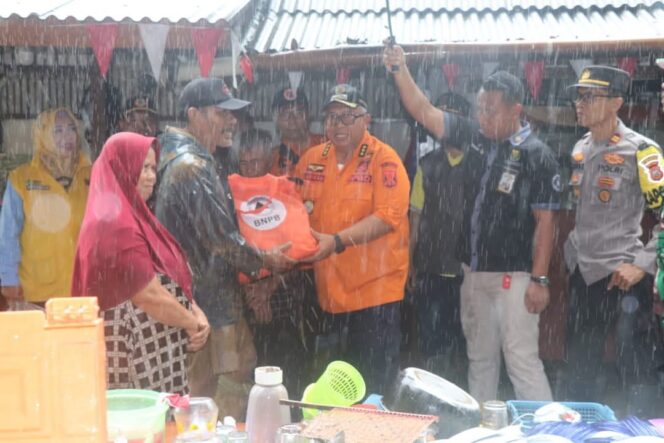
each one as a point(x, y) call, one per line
point(356, 189)
point(139, 116)
point(291, 115)
point(616, 175)
point(436, 224)
point(514, 184)
point(193, 202)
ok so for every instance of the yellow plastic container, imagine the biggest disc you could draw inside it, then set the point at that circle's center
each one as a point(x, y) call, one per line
point(53, 374)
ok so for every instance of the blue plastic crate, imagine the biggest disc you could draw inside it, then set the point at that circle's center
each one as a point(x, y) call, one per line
point(590, 412)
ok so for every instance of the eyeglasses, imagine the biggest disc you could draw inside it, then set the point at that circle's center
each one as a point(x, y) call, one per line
point(590, 98)
point(347, 118)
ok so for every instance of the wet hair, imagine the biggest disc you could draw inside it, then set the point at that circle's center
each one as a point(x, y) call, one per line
point(508, 84)
point(253, 139)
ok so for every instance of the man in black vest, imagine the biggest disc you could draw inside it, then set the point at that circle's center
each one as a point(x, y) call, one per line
point(436, 225)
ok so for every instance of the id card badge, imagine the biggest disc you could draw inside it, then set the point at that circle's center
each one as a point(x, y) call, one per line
point(506, 183)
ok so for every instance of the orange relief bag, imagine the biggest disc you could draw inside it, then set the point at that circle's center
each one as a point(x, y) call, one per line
point(270, 213)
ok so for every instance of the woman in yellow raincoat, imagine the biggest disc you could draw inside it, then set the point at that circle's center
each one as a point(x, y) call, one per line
point(42, 210)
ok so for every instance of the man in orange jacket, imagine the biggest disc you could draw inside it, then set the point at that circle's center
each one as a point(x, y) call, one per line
point(356, 190)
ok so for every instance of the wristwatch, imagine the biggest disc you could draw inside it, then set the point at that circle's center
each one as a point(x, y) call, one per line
point(338, 244)
point(540, 280)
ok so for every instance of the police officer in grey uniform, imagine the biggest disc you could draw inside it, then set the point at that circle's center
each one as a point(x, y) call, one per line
point(616, 175)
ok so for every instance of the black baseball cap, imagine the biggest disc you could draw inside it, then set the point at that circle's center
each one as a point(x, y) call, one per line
point(346, 95)
point(603, 77)
point(289, 97)
point(140, 103)
point(202, 92)
point(454, 103)
point(508, 84)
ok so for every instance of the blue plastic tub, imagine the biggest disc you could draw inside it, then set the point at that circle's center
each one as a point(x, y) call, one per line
point(522, 412)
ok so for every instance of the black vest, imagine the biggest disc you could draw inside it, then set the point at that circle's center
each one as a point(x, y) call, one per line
point(442, 217)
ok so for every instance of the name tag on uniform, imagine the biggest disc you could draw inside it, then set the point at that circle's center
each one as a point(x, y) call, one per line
point(506, 183)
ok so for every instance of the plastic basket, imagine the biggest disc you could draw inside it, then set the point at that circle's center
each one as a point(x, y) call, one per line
point(522, 411)
point(340, 385)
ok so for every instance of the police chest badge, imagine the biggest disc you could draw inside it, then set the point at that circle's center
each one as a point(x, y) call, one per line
point(577, 175)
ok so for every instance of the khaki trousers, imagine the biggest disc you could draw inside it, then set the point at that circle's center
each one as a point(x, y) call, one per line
point(495, 319)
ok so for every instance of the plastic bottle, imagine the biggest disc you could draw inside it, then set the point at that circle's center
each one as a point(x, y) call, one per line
point(264, 413)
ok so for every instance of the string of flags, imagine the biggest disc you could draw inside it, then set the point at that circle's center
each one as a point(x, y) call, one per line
point(205, 41)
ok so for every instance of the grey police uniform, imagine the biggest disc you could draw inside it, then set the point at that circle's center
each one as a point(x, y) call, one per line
point(610, 206)
point(615, 181)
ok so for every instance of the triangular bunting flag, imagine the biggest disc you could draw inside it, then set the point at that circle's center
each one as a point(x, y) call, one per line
point(580, 64)
point(247, 68)
point(154, 39)
point(343, 74)
point(236, 49)
point(102, 40)
point(451, 71)
point(488, 68)
point(628, 64)
point(205, 43)
point(534, 73)
point(295, 78)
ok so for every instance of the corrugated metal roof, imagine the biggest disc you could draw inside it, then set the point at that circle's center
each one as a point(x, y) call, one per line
point(319, 24)
point(211, 11)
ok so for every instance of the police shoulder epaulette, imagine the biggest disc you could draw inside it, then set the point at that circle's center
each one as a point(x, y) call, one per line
point(326, 149)
point(648, 144)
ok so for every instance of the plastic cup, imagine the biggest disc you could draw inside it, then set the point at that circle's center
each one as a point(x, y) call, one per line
point(201, 415)
point(288, 433)
point(494, 414)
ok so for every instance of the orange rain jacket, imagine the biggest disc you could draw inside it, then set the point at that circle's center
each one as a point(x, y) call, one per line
point(373, 182)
